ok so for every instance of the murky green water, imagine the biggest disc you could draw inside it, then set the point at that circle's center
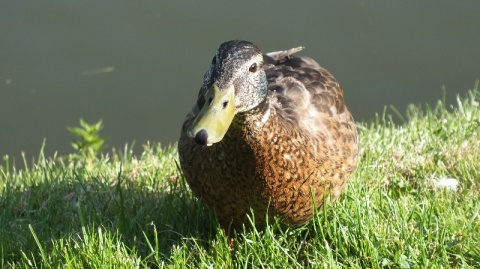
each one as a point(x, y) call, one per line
point(138, 65)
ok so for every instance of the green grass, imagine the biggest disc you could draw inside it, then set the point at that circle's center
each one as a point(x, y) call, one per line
point(125, 211)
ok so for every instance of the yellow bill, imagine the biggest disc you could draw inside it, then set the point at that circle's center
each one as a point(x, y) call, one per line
point(214, 118)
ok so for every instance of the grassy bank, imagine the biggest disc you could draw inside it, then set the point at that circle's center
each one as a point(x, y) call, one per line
point(89, 211)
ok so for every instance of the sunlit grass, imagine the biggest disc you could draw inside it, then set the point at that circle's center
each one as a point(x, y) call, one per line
point(124, 211)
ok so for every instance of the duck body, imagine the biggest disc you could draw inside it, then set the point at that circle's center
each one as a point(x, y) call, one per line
point(282, 152)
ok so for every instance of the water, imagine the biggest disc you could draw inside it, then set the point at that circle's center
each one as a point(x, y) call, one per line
point(138, 66)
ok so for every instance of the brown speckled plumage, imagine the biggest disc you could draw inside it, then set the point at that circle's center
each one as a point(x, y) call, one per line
point(297, 140)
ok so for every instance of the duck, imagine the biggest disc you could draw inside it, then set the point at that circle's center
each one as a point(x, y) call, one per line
point(269, 137)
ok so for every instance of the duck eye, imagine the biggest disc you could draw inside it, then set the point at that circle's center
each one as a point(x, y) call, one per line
point(253, 68)
point(214, 60)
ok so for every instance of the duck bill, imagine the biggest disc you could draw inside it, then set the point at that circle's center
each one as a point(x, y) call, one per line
point(215, 117)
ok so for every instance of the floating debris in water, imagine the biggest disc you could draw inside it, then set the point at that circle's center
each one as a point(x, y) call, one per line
point(108, 69)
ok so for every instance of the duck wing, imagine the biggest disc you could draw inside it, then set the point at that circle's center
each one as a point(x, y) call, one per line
point(303, 92)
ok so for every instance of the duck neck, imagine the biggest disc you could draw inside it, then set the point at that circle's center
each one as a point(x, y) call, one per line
point(254, 118)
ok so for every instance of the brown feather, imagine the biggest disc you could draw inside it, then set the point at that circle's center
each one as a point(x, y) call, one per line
point(301, 141)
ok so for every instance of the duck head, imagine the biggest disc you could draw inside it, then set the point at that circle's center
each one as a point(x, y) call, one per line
point(234, 83)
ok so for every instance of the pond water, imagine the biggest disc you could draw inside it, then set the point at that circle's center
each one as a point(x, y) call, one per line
point(138, 65)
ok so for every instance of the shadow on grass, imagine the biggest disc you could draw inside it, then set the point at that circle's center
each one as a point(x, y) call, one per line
point(150, 214)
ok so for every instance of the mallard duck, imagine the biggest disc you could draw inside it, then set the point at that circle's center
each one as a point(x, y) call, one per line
point(269, 133)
